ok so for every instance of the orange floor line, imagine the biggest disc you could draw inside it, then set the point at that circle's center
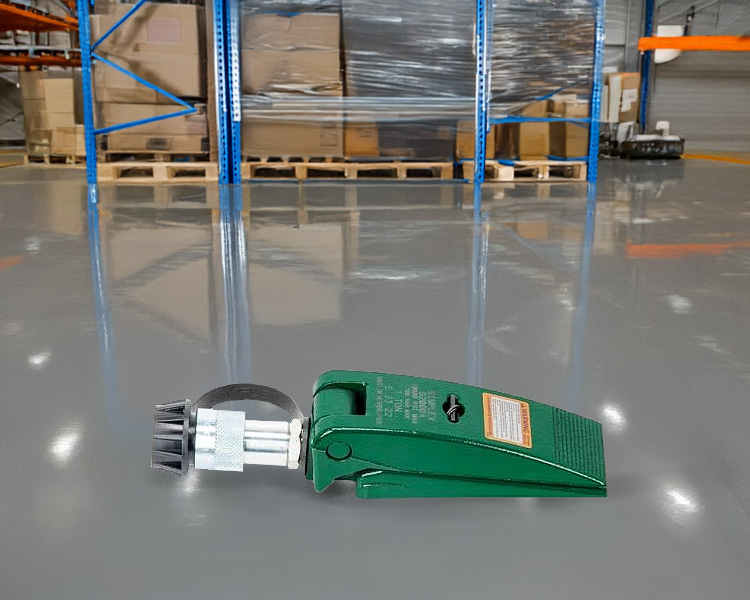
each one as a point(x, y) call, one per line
point(729, 159)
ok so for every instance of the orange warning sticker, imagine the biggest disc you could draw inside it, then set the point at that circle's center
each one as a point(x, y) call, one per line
point(507, 420)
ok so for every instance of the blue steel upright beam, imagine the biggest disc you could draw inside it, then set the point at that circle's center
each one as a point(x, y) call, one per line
point(596, 94)
point(84, 36)
point(226, 45)
point(647, 61)
point(482, 45)
point(88, 56)
point(235, 97)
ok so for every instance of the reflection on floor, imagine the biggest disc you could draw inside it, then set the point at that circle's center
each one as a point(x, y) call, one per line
point(631, 310)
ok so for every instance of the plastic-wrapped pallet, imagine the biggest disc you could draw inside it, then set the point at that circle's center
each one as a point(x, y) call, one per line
point(408, 71)
point(540, 47)
point(292, 79)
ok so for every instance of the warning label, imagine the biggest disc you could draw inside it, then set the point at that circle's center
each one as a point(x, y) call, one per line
point(507, 420)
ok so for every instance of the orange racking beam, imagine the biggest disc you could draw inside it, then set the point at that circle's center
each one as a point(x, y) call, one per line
point(716, 43)
point(14, 17)
point(40, 61)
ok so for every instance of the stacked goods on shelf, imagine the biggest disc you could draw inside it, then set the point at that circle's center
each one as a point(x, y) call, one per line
point(52, 112)
point(540, 47)
point(408, 83)
point(546, 139)
point(465, 140)
point(409, 76)
point(165, 45)
point(568, 139)
point(291, 73)
point(525, 140)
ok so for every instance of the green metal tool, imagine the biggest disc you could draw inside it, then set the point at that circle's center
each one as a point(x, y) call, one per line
point(395, 436)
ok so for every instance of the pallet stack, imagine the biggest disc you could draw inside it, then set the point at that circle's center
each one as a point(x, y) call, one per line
point(291, 75)
point(53, 115)
point(165, 45)
point(545, 150)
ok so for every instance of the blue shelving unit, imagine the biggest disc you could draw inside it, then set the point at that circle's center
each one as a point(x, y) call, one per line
point(226, 37)
point(483, 122)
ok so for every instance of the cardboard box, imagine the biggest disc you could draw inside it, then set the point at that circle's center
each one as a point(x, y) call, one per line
point(270, 132)
point(39, 140)
point(532, 140)
point(624, 90)
point(523, 140)
point(297, 71)
point(465, 140)
point(361, 140)
point(68, 140)
point(432, 139)
point(556, 103)
point(45, 120)
point(568, 140)
point(162, 43)
point(535, 109)
point(48, 104)
point(137, 142)
point(110, 113)
point(575, 109)
point(55, 86)
point(302, 31)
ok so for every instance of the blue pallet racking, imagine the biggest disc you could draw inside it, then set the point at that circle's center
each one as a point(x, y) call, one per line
point(226, 33)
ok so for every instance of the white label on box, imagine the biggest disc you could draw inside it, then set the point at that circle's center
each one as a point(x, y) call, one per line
point(629, 97)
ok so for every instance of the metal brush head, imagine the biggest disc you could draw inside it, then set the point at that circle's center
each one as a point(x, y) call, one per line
point(169, 450)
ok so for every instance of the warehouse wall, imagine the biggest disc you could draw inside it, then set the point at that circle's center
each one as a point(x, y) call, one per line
point(623, 25)
point(702, 94)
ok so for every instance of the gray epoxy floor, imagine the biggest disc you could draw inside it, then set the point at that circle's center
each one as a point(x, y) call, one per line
point(640, 321)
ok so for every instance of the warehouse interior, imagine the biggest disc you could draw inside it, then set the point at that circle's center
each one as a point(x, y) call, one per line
point(543, 198)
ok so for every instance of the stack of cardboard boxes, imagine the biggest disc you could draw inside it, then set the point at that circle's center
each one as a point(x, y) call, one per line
point(620, 97)
point(546, 140)
point(555, 140)
point(568, 140)
point(52, 112)
point(533, 140)
point(165, 45)
point(291, 65)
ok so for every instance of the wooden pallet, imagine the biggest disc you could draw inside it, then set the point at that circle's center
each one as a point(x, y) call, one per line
point(347, 170)
point(293, 159)
point(115, 156)
point(529, 170)
point(53, 159)
point(158, 172)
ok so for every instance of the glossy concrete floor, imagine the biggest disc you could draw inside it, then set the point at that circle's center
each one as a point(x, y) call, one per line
point(635, 314)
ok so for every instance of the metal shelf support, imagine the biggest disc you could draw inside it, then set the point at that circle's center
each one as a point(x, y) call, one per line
point(647, 61)
point(84, 35)
point(595, 107)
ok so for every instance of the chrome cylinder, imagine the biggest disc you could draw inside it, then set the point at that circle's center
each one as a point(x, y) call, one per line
point(225, 441)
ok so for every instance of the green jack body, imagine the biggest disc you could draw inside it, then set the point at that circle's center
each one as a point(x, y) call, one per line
point(397, 436)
